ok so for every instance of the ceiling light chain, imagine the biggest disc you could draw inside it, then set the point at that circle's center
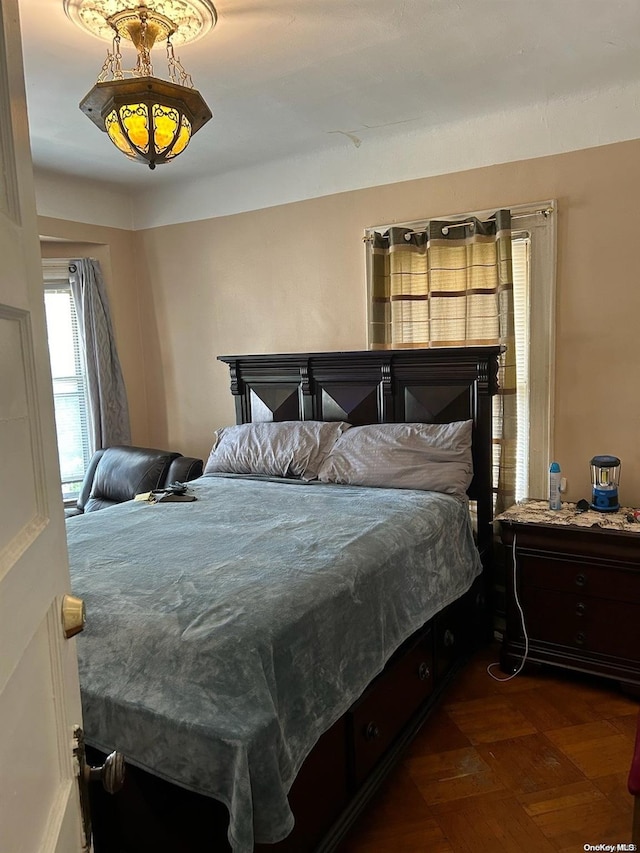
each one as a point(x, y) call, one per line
point(113, 63)
point(144, 67)
point(177, 73)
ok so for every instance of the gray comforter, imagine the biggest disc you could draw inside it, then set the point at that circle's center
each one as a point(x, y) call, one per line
point(224, 636)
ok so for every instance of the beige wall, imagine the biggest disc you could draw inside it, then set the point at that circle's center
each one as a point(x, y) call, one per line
point(115, 249)
point(292, 278)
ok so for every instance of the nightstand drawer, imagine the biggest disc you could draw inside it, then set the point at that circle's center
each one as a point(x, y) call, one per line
point(580, 577)
point(599, 626)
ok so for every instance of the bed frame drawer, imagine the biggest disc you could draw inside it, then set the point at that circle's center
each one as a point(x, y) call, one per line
point(378, 716)
point(325, 773)
point(452, 631)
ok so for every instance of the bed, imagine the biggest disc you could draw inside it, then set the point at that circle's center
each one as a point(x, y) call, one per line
point(273, 645)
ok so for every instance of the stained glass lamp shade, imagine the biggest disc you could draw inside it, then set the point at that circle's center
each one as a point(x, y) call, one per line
point(148, 119)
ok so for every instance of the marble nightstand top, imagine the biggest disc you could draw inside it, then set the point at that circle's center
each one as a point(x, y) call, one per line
point(538, 512)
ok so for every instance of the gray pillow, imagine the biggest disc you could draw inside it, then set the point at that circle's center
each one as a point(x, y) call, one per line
point(433, 457)
point(277, 449)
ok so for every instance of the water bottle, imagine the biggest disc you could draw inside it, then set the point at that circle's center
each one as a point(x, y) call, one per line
point(555, 501)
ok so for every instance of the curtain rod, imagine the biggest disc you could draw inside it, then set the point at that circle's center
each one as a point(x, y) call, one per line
point(543, 211)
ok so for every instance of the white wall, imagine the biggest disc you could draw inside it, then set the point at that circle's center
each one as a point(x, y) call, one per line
point(80, 200)
point(386, 157)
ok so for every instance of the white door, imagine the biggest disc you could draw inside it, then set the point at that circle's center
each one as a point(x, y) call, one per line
point(39, 694)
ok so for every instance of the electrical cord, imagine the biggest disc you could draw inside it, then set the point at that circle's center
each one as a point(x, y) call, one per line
point(524, 627)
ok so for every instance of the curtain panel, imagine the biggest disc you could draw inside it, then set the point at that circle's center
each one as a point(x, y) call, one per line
point(107, 398)
point(451, 284)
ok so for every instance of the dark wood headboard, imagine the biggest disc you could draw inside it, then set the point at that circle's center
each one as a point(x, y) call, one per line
point(378, 386)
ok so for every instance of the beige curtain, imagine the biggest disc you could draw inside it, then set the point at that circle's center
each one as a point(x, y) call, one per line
point(450, 285)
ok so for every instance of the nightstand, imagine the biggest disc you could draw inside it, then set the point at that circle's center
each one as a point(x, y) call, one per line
point(577, 577)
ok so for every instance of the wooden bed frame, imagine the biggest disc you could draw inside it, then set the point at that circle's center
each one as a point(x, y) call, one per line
point(350, 761)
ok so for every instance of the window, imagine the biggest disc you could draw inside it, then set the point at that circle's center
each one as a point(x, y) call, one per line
point(533, 253)
point(68, 375)
point(534, 274)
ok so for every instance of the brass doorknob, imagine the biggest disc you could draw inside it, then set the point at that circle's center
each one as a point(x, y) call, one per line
point(74, 615)
point(111, 774)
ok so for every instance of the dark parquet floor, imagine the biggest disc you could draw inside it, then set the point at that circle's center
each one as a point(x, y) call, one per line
point(537, 764)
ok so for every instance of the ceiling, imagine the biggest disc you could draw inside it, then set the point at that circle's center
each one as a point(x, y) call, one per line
point(294, 77)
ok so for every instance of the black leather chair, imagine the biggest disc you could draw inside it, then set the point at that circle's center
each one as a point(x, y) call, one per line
point(117, 474)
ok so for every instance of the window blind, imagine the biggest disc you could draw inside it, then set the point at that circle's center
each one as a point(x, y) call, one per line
point(521, 259)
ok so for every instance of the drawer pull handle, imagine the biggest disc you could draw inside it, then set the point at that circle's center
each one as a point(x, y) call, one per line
point(448, 639)
point(581, 608)
point(580, 638)
point(371, 732)
point(581, 580)
point(424, 673)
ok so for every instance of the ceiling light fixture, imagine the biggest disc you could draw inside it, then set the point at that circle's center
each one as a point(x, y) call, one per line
point(147, 118)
